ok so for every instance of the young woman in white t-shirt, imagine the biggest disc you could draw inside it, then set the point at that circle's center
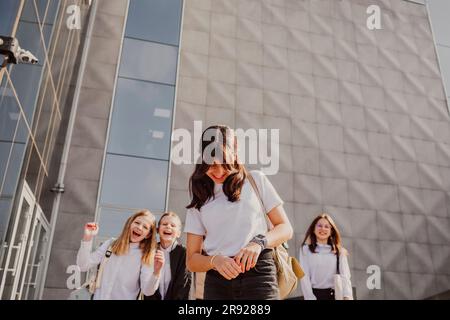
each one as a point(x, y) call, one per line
point(134, 264)
point(227, 234)
point(319, 259)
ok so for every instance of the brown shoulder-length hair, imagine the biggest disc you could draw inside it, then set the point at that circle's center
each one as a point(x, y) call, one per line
point(201, 187)
point(148, 245)
point(334, 240)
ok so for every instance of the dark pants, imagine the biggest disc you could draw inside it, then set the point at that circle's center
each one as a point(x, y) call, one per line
point(259, 283)
point(324, 294)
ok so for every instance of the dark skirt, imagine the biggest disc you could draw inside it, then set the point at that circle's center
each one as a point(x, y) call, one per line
point(324, 294)
point(259, 283)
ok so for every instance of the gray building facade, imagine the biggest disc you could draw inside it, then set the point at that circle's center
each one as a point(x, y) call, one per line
point(362, 115)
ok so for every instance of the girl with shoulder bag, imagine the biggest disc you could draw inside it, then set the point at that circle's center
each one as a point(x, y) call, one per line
point(224, 219)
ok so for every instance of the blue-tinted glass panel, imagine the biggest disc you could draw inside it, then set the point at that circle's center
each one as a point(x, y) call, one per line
point(149, 61)
point(142, 119)
point(29, 38)
point(12, 125)
point(29, 12)
point(11, 156)
point(5, 210)
point(134, 182)
point(111, 221)
point(52, 10)
point(8, 13)
point(154, 20)
point(26, 79)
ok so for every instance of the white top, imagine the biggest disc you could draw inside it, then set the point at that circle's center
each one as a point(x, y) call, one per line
point(320, 268)
point(123, 276)
point(166, 273)
point(229, 226)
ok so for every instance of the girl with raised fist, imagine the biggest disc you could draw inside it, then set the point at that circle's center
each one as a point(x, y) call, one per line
point(131, 263)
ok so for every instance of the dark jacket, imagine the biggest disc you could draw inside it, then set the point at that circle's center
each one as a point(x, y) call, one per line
point(180, 282)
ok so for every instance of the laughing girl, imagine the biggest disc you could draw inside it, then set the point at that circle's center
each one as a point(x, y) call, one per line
point(134, 265)
point(175, 280)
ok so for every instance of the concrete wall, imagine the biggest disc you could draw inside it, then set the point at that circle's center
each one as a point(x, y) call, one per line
point(364, 128)
point(79, 201)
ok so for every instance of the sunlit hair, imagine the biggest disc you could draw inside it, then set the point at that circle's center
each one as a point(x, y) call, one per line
point(201, 187)
point(147, 245)
point(334, 240)
point(170, 214)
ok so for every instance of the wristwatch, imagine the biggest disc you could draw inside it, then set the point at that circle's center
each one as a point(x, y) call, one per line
point(261, 240)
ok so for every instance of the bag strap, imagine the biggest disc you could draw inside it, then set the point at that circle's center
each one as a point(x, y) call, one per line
point(258, 195)
point(105, 259)
point(337, 262)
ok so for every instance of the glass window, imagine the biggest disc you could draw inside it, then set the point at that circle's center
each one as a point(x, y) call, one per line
point(111, 221)
point(154, 20)
point(149, 61)
point(142, 119)
point(26, 80)
point(29, 12)
point(9, 171)
point(12, 126)
point(45, 113)
point(134, 182)
point(26, 77)
point(5, 209)
point(439, 12)
point(52, 9)
point(29, 38)
point(9, 177)
point(8, 13)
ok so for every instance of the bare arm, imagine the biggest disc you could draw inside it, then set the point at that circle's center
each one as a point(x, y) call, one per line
point(196, 262)
point(282, 230)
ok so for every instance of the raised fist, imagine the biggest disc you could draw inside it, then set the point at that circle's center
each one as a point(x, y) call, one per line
point(90, 230)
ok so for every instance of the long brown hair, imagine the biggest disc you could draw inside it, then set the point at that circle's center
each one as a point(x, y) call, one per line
point(201, 187)
point(148, 245)
point(334, 240)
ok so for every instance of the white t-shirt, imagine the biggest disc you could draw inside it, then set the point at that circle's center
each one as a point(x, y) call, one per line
point(123, 276)
point(229, 226)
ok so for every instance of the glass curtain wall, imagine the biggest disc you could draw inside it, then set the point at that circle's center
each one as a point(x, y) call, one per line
point(33, 100)
point(136, 163)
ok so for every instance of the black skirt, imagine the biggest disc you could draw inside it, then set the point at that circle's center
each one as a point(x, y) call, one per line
point(324, 294)
point(259, 283)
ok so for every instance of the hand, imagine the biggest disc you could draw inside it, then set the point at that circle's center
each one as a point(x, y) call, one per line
point(159, 262)
point(248, 256)
point(227, 267)
point(90, 230)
